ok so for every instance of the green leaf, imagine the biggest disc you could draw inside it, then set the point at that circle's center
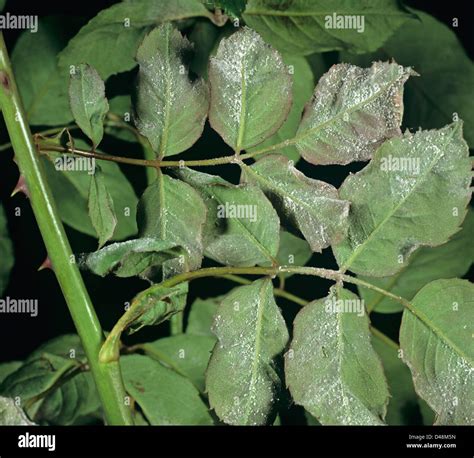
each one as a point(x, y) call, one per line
point(353, 111)
point(8, 368)
point(414, 192)
point(66, 346)
point(403, 399)
point(119, 30)
point(47, 393)
point(426, 412)
point(331, 368)
point(242, 228)
point(121, 106)
point(306, 26)
point(450, 260)
point(170, 110)
point(6, 249)
point(172, 211)
point(445, 87)
point(71, 192)
point(310, 420)
point(88, 102)
point(201, 316)
point(312, 206)
point(241, 381)
point(10, 413)
point(186, 354)
point(140, 257)
point(204, 38)
point(302, 90)
point(77, 402)
point(293, 250)
point(165, 397)
point(250, 90)
point(43, 87)
point(436, 339)
point(232, 8)
point(101, 207)
point(2, 4)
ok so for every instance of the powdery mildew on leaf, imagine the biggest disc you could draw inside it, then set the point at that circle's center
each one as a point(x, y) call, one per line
point(313, 206)
point(11, 414)
point(437, 346)
point(241, 382)
point(170, 110)
point(143, 257)
point(250, 90)
point(242, 228)
point(302, 90)
point(331, 368)
point(394, 210)
point(353, 111)
point(452, 259)
point(172, 211)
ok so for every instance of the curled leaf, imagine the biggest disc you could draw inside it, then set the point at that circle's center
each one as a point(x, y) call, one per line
point(414, 192)
point(313, 206)
point(352, 112)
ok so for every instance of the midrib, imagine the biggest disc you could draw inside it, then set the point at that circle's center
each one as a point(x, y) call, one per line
point(256, 355)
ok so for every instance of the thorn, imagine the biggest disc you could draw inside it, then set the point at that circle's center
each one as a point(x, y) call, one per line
point(21, 187)
point(5, 80)
point(46, 264)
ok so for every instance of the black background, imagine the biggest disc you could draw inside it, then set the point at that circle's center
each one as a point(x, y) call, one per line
point(19, 335)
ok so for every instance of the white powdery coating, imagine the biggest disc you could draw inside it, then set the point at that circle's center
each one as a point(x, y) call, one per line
point(250, 90)
point(447, 390)
point(170, 110)
point(313, 206)
point(393, 212)
point(442, 369)
point(241, 381)
point(11, 414)
point(318, 372)
point(353, 111)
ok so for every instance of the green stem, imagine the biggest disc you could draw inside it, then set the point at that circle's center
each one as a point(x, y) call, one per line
point(148, 153)
point(150, 160)
point(107, 376)
point(177, 324)
point(384, 338)
point(111, 348)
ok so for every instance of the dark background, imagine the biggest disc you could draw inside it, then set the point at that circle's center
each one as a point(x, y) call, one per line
point(19, 335)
